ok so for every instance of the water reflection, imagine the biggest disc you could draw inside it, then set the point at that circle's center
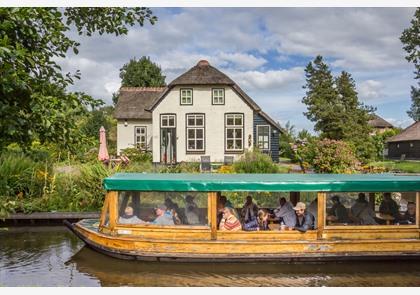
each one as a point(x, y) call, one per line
point(115, 272)
point(53, 256)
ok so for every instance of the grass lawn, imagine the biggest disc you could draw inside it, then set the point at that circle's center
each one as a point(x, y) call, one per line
point(399, 166)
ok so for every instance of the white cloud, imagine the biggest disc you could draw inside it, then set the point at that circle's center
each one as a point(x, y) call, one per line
point(242, 61)
point(370, 89)
point(267, 80)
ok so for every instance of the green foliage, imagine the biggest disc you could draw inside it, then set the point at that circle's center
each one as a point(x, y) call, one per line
point(21, 176)
point(136, 155)
point(414, 111)
point(399, 166)
point(410, 37)
point(334, 106)
point(379, 141)
point(322, 99)
point(141, 73)
point(35, 104)
point(183, 167)
point(255, 162)
point(330, 156)
point(287, 139)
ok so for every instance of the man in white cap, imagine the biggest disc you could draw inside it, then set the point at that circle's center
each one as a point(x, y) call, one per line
point(304, 219)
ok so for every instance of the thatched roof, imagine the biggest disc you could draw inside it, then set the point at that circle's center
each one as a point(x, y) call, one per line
point(410, 133)
point(378, 122)
point(202, 74)
point(133, 102)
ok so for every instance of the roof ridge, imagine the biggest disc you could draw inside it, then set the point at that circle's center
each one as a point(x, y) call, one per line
point(131, 88)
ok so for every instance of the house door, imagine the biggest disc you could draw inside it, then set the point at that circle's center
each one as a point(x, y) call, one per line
point(168, 145)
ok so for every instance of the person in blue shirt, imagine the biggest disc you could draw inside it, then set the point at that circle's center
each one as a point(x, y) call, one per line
point(164, 217)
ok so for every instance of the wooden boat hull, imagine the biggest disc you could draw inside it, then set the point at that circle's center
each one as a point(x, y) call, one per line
point(188, 250)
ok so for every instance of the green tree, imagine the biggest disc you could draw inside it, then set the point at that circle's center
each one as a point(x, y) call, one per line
point(355, 118)
point(414, 112)
point(411, 39)
point(33, 101)
point(141, 73)
point(322, 100)
point(334, 106)
point(287, 139)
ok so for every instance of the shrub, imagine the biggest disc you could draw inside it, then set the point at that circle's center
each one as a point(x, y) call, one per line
point(136, 155)
point(331, 156)
point(255, 162)
point(183, 167)
point(20, 175)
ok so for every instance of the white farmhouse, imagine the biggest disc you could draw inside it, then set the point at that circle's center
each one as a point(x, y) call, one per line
point(200, 113)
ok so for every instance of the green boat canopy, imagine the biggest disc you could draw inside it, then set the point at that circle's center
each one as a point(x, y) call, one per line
point(262, 182)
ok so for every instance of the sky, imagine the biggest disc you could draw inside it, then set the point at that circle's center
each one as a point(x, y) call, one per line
point(265, 51)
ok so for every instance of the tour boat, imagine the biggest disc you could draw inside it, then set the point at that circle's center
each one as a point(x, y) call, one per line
point(203, 241)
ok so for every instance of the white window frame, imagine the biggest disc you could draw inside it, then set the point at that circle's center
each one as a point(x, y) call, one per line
point(218, 96)
point(186, 96)
point(195, 127)
point(167, 118)
point(234, 127)
point(263, 141)
point(137, 137)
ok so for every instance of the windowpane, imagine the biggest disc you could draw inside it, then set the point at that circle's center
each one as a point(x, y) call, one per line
point(238, 121)
point(191, 121)
point(174, 208)
point(371, 208)
point(164, 121)
point(191, 133)
point(229, 133)
point(199, 121)
point(199, 133)
point(238, 144)
point(191, 144)
point(229, 144)
point(238, 133)
point(200, 144)
point(171, 121)
point(229, 121)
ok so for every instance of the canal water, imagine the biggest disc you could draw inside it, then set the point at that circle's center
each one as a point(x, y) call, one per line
point(53, 256)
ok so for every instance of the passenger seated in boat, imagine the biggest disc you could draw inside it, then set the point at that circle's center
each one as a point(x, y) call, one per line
point(258, 223)
point(285, 213)
point(304, 219)
point(229, 221)
point(389, 207)
point(409, 217)
point(361, 213)
point(164, 217)
point(338, 213)
point(178, 215)
point(249, 210)
point(222, 203)
point(129, 217)
point(313, 209)
point(191, 210)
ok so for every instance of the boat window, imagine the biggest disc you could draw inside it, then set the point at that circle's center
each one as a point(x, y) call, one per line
point(163, 208)
point(252, 211)
point(379, 208)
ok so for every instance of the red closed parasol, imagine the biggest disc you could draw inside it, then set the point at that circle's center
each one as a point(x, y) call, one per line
point(103, 151)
